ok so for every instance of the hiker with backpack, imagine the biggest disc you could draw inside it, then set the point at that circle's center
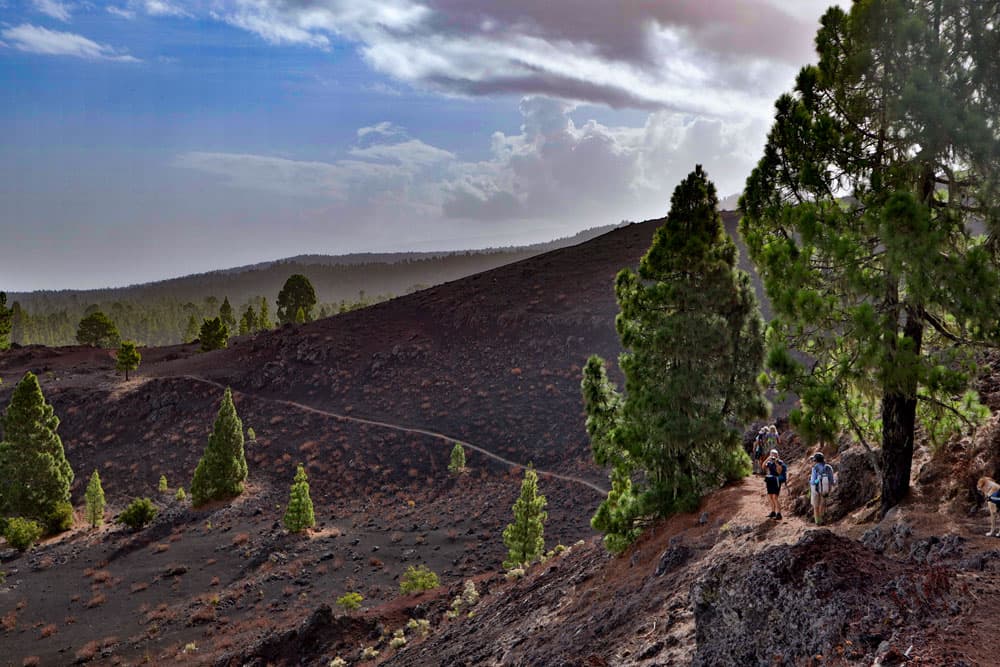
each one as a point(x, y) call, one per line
point(775, 474)
point(821, 482)
point(758, 450)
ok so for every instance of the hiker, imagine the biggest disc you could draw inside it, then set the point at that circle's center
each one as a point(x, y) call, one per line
point(758, 450)
point(775, 472)
point(821, 481)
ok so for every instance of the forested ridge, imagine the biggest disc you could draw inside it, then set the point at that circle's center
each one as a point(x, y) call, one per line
point(159, 313)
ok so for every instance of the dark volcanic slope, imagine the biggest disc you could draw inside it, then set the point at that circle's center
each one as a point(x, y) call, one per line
point(493, 359)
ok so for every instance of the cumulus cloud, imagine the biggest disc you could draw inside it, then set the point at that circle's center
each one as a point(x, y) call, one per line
point(155, 8)
point(35, 39)
point(696, 57)
point(552, 170)
point(54, 9)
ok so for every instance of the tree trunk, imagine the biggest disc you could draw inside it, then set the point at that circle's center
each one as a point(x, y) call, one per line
point(899, 416)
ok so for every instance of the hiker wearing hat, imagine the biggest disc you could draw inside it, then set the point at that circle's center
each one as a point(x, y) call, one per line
point(775, 471)
point(821, 481)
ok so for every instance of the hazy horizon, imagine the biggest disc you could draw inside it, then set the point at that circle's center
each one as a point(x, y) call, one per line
point(150, 139)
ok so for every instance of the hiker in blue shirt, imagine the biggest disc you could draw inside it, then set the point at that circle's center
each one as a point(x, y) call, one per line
point(821, 481)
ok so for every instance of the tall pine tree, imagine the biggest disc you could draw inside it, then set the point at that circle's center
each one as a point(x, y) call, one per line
point(874, 219)
point(226, 315)
point(524, 538)
point(94, 501)
point(264, 322)
point(35, 476)
point(222, 469)
point(299, 514)
point(694, 348)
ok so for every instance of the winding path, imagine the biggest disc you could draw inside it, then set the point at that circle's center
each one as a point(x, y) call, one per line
point(406, 429)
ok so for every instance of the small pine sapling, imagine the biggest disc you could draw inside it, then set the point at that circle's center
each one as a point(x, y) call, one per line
point(350, 601)
point(524, 537)
point(299, 515)
point(457, 464)
point(94, 501)
point(162, 486)
point(222, 469)
point(180, 495)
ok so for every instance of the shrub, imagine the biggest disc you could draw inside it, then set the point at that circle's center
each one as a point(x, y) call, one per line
point(59, 518)
point(398, 640)
point(515, 573)
point(470, 596)
point(418, 578)
point(22, 533)
point(180, 495)
point(138, 514)
point(419, 625)
point(162, 486)
point(350, 601)
point(370, 653)
point(338, 662)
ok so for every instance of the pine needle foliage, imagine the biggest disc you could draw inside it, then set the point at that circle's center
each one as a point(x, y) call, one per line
point(94, 501)
point(222, 469)
point(457, 463)
point(524, 538)
point(35, 477)
point(299, 515)
point(128, 358)
point(874, 220)
point(694, 348)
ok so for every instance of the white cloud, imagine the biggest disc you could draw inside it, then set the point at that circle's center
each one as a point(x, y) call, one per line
point(121, 12)
point(53, 8)
point(35, 39)
point(552, 170)
point(705, 58)
point(163, 8)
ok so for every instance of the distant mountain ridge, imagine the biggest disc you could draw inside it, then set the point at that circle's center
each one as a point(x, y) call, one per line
point(352, 273)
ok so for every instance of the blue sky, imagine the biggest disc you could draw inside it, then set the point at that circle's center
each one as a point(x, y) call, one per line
point(143, 139)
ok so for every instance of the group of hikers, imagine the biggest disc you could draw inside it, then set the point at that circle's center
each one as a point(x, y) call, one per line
point(775, 471)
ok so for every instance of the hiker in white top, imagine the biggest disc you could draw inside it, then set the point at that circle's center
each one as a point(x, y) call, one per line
point(821, 482)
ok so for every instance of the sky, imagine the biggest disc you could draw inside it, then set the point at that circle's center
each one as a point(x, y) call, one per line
point(146, 139)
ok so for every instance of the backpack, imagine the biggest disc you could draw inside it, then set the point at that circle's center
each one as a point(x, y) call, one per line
point(783, 475)
point(825, 482)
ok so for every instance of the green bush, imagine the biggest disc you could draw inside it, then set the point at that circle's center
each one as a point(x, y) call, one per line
point(350, 601)
point(22, 533)
point(418, 578)
point(138, 514)
point(180, 495)
point(60, 518)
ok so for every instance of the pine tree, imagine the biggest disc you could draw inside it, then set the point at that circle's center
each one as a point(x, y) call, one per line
point(299, 514)
point(694, 348)
point(248, 323)
point(264, 322)
point(300, 316)
point(97, 330)
point(865, 217)
point(296, 293)
point(128, 358)
point(524, 538)
point(35, 476)
point(6, 322)
point(222, 469)
point(162, 485)
point(94, 498)
point(213, 335)
point(226, 315)
point(457, 463)
point(192, 330)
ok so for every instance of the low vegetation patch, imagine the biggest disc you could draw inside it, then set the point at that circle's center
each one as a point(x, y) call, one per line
point(418, 578)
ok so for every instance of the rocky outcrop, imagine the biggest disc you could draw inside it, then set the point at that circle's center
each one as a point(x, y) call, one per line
point(823, 596)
